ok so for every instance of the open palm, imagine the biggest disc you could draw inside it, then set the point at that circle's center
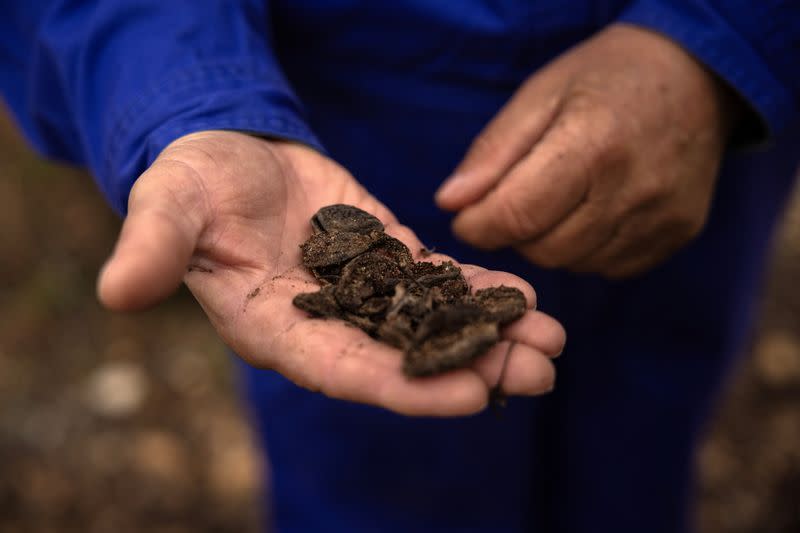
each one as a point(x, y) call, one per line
point(225, 212)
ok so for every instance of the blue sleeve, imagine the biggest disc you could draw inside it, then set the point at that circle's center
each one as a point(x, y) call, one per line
point(109, 83)
point(753, 46)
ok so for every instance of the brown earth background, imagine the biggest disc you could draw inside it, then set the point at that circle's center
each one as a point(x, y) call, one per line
point(130, 423)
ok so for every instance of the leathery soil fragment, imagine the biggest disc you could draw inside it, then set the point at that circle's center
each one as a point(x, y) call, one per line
point(370, 280)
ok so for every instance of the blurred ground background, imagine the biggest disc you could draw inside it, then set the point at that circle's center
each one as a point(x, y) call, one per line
point(131, 423)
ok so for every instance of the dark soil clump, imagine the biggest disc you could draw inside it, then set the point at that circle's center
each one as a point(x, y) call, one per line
point(370, 280)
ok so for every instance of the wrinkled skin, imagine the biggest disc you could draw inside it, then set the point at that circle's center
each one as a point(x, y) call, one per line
point(233, 209)
point(604, 161)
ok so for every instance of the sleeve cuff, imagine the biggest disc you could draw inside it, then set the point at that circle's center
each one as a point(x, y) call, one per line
point(713, 42)
point(228, 95)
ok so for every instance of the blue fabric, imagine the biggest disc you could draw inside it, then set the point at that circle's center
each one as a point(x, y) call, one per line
point(395, 91)
point(754, 48)
point(110, 84)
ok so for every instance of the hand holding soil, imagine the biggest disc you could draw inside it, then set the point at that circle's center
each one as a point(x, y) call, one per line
point(371, 281)
point(233, 209)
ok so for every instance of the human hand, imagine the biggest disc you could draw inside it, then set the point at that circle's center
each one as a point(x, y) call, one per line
point(604, 161)
point(233, 209)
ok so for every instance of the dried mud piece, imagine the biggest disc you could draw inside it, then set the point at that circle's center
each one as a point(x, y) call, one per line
point(454, 290)
point(502, 304)
point(448, 319)
point(345, 218)
point(361, 322)
point(376, 305)
point(448, 351)
point(397, 331)
point(411, 304)
point(431, 275)
point(450, 337)
point(328, 249)
point(446, 276)
point(320, 303)
point(327, 275)
point(394, 250)
point(367, 275)
point(372, 282)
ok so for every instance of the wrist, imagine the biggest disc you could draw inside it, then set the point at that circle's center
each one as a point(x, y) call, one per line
point(703, 93)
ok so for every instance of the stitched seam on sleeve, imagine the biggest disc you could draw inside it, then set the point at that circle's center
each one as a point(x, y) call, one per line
point(228, 73)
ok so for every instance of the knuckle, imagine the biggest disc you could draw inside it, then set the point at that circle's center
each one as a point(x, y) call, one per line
point(602, 140)
point(650, 190)
point(609, 146)
point(515, 219)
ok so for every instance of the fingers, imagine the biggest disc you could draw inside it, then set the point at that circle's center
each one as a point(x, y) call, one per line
point(539, 331)
point(156, 241)
point(584, 232)
point(357, 375)
point(529, 372)
point(537, 338)
point(504, 141)
point(537, 193)
point(328, 356)
point(343, 362)
point(365, 371)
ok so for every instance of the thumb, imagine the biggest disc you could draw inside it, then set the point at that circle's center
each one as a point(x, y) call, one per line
point(509, 137)
point(157, 238)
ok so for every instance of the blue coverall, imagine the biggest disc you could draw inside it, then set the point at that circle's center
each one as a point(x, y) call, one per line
point(395, 90)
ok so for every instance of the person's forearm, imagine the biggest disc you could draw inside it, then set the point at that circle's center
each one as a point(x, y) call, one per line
point(111, 85)
point(751, 46)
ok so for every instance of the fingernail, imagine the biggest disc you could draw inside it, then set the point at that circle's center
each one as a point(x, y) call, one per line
point(451, 186)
